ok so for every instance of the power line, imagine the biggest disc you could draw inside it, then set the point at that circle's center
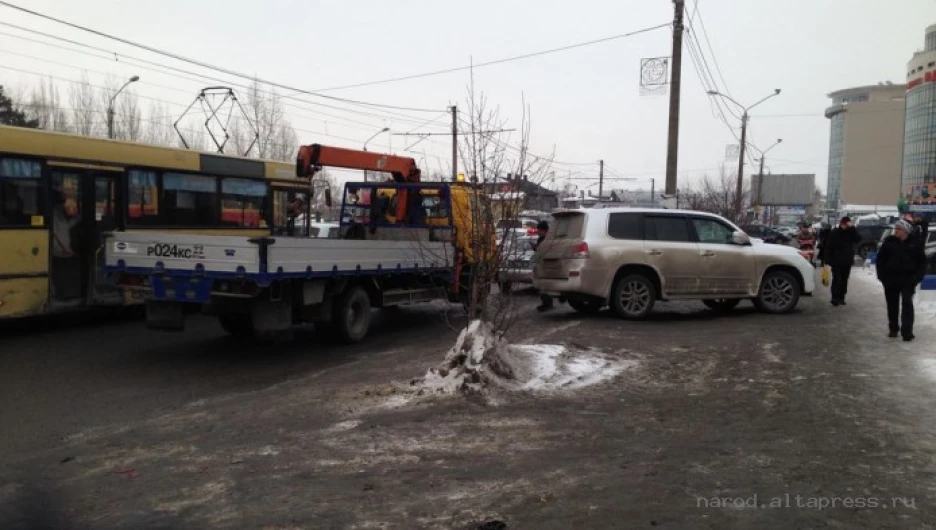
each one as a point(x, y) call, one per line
point(203, 64)
point(159, 68)
point(497, 61)
point(708, 43)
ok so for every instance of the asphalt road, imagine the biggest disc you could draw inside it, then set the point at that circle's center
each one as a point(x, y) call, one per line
point(726, 421)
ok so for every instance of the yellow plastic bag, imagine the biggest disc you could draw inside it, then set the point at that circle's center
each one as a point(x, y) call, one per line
point(826, 276)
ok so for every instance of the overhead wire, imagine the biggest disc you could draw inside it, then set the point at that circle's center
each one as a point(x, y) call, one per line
point(496, 61)
point(206, 65)
point(186, 74)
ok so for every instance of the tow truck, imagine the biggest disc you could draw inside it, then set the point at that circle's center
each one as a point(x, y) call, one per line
point(402, 241)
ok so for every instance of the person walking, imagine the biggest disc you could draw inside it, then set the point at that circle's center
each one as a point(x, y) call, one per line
point(542, 230)
point(839, 254)
point(901, 264)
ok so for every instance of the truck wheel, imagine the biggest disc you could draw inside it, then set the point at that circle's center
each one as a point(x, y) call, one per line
point(633, 296)
point(779, 293)
point(237, 325)
point(352, 316)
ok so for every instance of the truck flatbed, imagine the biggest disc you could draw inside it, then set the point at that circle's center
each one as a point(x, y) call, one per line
point(266, 259)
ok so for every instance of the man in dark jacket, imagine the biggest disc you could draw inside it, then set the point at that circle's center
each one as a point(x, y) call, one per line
point(839, 254)
point(901, 264)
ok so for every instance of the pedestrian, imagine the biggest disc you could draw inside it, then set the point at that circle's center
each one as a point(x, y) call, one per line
point(839, 254)
point(901, 264)
point(542, 229)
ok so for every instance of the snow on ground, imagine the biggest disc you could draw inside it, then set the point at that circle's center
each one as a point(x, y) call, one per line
point(480, 359)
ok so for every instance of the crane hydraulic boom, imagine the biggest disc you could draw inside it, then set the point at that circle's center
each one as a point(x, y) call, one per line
point(314, 157)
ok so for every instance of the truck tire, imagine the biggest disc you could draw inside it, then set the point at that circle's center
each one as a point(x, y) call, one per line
point(352, 317)
point(633, 296)
point(237, 325)
point(779, 293)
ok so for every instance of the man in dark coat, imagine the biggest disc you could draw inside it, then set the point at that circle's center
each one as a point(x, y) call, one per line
point(839, 254)
point(901, 264)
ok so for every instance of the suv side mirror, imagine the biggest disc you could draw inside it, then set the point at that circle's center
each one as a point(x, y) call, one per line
point(740, 238)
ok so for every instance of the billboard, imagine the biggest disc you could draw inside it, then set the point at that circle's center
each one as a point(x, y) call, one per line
point(921, 197)
point(783, 189)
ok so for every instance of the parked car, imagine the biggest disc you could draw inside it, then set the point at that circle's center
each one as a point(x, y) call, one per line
point(631, 258)
point(871, 236)
point(929, 248)
point(517, 262)
point(769, 235)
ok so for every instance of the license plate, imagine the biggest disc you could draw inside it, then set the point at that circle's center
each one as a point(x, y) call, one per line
point(168, 250)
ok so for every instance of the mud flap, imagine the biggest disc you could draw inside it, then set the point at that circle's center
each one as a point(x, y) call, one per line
point(272, 319)
point(166, 316)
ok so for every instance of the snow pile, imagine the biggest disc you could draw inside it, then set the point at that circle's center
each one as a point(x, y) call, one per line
point(480, 359)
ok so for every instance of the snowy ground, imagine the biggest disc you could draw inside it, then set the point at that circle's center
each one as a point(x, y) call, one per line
point(604, 424)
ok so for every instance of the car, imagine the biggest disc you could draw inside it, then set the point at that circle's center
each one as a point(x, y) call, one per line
point(769, 235)
point(929, 248)
point(517, 262)
point(632, 258)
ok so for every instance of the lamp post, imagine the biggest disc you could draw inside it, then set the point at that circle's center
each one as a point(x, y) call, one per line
point(760, 173)
point(378, 133)
point(110, 106)
point(744, 120)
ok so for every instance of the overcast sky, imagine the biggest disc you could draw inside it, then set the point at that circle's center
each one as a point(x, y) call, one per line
point(585, 102)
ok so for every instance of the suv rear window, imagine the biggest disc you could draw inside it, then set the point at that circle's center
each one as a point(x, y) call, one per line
point(568, 225)
point(624, 226)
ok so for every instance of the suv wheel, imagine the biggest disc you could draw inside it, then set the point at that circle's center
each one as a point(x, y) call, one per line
point(589, 306)
point(633, 296)
point(722, 304)
point(779, 293)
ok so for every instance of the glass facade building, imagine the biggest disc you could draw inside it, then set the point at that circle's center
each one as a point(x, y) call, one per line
point(918, 177)
point(919, 159)
point(836, 160)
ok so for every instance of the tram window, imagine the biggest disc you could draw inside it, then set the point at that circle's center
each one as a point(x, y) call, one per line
point(189, 200)
point(242, 202)
point(142, 197)
point(20, 192)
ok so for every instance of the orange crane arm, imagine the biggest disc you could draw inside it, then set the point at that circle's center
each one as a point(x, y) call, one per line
point(314, 157)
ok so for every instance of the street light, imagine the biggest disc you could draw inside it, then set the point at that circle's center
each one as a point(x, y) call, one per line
point(378, 133)
point(110, 106)
point(760, 173)
point(744, 120)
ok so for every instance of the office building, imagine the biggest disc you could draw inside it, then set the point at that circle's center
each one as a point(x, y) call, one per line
point(919, 142)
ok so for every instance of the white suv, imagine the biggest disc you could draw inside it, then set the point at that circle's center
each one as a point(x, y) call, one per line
point(629, 258)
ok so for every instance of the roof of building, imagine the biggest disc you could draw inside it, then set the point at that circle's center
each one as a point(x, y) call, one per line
point(867, 88)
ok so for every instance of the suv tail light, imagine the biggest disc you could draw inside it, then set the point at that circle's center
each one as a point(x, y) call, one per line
point(580, 250)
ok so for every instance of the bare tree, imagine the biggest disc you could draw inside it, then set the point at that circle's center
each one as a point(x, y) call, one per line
point(86, 113)
point(158, 129)
point(716, 195)
point(129, 116)
point(266, 122)
point(505, 172)
point(45, 106)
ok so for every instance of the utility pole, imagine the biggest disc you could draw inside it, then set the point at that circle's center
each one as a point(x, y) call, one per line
point(740, 185)
point(760, 183)
point(454, 143)
point(600, 180)
point(672, 150)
